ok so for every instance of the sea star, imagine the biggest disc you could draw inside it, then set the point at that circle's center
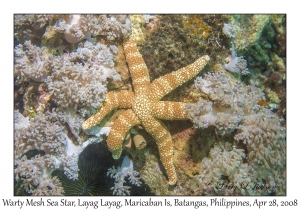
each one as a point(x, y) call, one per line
point(144, 106)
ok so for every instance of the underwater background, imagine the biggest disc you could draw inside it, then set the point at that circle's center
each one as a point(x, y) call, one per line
point(233, 141)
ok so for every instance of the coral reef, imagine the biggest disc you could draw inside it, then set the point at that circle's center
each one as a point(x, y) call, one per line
point(224, 134)
point(31, 62)
point(35, 175)
point(79, 27)
point(178, 39)
point(71, 77)
point(248, 29)
point(31, 27)
point(44, 132)
point(266, 58)
point(50, 73)
point(74, 27)
point(249, 144)
point(83, 72)
point(144, 106)
point(224, 160)
point(227, 96)
point(235, 107)
point(264, 138)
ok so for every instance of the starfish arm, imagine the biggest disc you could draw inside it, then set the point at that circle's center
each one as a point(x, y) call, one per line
point(169, 110)
point(137, 67)
point(165, 84)
point(113, 100)
point(165, 146)
point(118, 131)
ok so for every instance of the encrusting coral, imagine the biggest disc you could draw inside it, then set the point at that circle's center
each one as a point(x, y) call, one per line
point(177, 40)
point(144, 106)
point(137, 22)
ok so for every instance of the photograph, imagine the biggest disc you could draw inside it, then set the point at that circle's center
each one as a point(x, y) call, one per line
point(149, 104)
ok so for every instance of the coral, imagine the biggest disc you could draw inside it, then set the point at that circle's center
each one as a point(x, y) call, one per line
point(265, 141)
point(71, 76)
point(272, 96)
point(248, 29)
point(266, 61)
point(36, 99)
point(93, 163)
point(279, 65)
point(120, 174)
point(68, 67)
point(231, 102)
point(43, 98)
point(234, 107)
point(144, 106)
point(267, 44)
point(35, 175)
point(122, 68)
point(137, 22)
point(229, 30)
point(153, 175)
point(75, 28)
point(264, 138)
point(197, 27)
point(46, 133)
point(73, 121)
point(72, 32)
point(170, 45)
point(31, 62)
point(83, 72)
point(216, 39)
point(233, 63)
point(224, 160)
point(281, 42)
point(278, 20)
point(115, 26)
point(20, 122)
point(37, 21)
point(49, 187)
point(275, 77)
point(204, 114)
point(236, 65)
point(79, 27)
point(31, 27)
